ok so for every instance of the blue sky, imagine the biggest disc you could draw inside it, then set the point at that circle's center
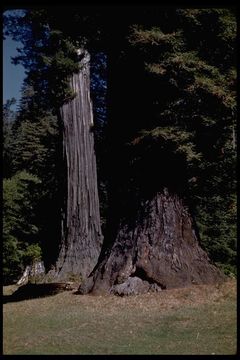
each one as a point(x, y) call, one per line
point(13, 75)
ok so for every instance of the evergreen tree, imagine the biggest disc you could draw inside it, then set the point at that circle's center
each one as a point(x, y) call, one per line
point(58, 58)
point(8, 121)
point(179, 100)
point(186, 76)
point(33, 147)
point(196, 116)
point(20, 195)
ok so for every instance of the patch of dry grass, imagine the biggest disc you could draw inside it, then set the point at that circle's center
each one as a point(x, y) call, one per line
point(196, 320)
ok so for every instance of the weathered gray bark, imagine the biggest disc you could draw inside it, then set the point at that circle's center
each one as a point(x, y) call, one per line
point(159, 251)
point(81, 230)
point(35, 272)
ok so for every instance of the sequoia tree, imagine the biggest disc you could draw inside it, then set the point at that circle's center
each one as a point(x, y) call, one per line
point(175, 88)
point(59, 75)
point(81, 230)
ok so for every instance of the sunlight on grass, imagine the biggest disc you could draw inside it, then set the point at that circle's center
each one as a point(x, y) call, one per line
point(198, 320)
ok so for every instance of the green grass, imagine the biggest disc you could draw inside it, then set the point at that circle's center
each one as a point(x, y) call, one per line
point(197, 320)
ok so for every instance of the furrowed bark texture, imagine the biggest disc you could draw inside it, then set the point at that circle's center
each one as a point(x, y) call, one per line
point(81, 229)
point(159, 251)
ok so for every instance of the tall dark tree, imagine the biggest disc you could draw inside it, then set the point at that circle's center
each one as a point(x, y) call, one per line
point(172, 84)
point(60, 78)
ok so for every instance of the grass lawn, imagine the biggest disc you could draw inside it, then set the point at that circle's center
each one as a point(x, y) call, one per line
point(196, 320)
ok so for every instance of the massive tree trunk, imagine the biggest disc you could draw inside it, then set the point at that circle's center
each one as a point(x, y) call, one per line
point(150, 242)
point(157, 250)
point(81, 237)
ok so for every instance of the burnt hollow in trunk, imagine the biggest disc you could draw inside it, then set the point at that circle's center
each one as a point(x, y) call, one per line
point(159, 250)
point(81, 236)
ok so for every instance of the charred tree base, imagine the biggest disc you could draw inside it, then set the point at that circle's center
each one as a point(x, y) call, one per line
point(160, 250)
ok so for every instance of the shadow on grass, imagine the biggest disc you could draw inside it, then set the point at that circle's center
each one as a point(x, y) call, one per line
point(33, 291)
